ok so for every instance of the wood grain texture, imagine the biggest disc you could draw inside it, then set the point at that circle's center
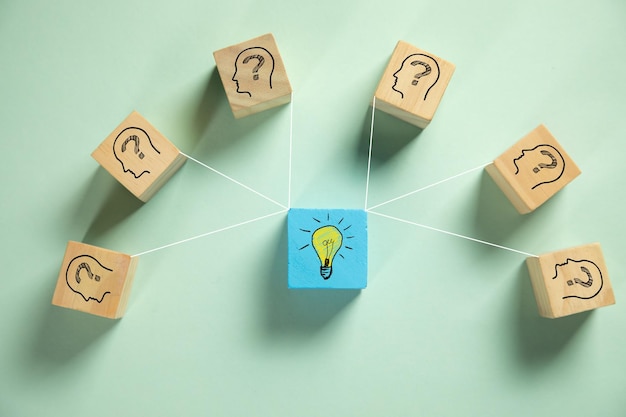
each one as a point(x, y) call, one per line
point(570, 281)
point(139, 156)
point(94, 280)
point(413, 84)
point(253, 75)
point(533, 170)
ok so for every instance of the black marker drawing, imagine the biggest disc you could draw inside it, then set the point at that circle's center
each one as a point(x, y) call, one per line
point(131, 157)
point(551, 165)
point(545, 173)
point(413, 69)
point(135, 139)
point(254, 68)
point(84, 276)
point(583, 286)
point(327, 241)
point(427, 70)
point(91, 275)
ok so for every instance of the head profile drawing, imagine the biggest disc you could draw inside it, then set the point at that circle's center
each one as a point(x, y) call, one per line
point(582, 278)
point(417, 74)
point(254, 68)
point(87, 277)
point(543, 163)
point(130, 148)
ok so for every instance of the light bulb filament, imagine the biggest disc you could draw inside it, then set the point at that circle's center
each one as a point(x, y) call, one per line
point(329, 244)
point(327, 241)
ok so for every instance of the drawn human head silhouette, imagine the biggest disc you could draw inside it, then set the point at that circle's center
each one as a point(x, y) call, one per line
point(581, 278)
point(130, 148)
point(254, 68)
point(417, 75)
point(86, 276)
point(543, 164)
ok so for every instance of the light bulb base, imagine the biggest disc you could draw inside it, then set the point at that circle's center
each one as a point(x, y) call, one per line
point(326, 271)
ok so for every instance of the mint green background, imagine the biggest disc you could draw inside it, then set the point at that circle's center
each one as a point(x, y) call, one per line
point(446, 327)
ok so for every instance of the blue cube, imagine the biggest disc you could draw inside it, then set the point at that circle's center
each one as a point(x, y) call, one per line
point(327, 248)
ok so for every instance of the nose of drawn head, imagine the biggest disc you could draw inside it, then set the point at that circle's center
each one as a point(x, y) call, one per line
point(395, 79)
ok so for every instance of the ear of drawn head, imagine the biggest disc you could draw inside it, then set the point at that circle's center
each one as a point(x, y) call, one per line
point(254, 68)
point(131, 146)
point(417, 74)
point(580, 278)
point(544, 164)
point(86, 276)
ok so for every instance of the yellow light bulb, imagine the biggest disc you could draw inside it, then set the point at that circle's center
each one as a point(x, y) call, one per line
point(327, 241)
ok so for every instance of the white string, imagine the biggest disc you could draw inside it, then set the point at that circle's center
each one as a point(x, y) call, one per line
point(242, 185)
point(369, 157)
point(235, 181)
point(453, 234)
point(208, 233)
point(290, 151)
point(430, 186)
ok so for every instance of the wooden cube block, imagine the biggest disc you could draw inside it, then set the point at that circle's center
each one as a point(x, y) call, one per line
point(570, 281)
point(139, 156)
point(253, 75)
point(413, 84)
point(533, 170)
point(327, 248)
point(94, 280)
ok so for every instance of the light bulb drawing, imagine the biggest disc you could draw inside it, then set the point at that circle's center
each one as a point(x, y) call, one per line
point(326, 241)
point(327, 248)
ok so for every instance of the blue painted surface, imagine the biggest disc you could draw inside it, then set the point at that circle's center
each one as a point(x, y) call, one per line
point(349, 265)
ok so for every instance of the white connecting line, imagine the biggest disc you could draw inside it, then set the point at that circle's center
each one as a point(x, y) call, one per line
point(235, 181)
point(209, 233)
point(284, 208)
point(428, 186)
point(484, 242)
point(369, 156)
point(290, 150)
point(370, 209)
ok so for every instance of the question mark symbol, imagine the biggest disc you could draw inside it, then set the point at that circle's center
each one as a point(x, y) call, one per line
point(427, 70)
point(133, 138)
point(91, 275)
point(578, 281)
point(551, 165)
point(255, 70)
